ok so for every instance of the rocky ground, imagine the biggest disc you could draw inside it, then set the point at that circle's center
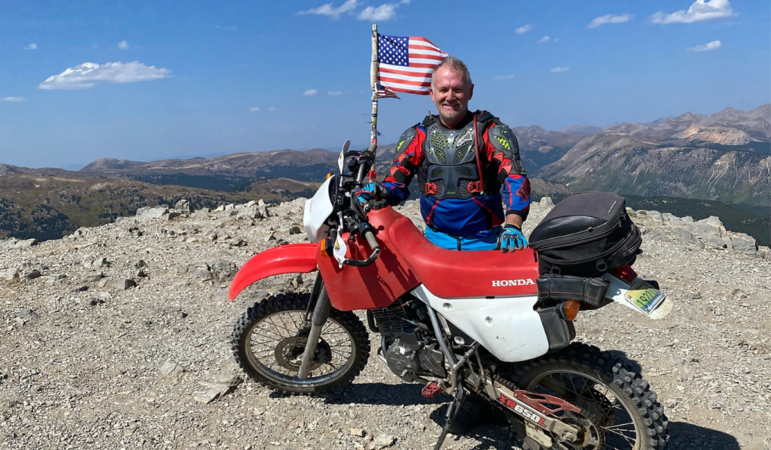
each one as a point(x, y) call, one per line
point(117, 338)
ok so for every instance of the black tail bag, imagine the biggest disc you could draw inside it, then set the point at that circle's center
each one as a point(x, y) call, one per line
point(586, 235)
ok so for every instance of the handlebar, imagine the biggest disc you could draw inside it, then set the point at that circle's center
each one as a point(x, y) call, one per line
point(361, 166)
point(370, 238)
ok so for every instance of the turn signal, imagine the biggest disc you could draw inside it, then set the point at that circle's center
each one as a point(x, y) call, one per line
point(329, 175)
point(324, 250)
point(570, 309)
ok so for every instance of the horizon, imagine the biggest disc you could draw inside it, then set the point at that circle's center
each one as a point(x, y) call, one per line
point(77, 167)
point(145, 81)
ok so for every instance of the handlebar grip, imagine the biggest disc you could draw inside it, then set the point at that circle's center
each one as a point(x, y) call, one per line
point(370, 237)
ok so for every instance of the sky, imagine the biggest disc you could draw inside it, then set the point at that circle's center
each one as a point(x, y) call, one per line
point(148, 80)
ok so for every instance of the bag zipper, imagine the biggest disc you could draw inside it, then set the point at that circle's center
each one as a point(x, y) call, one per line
point(600, 234)
point(610, 251)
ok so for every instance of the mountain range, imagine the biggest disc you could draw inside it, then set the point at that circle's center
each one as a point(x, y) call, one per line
point(723, 157)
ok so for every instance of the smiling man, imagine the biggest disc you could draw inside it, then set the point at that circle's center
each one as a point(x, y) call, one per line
point(467, 165)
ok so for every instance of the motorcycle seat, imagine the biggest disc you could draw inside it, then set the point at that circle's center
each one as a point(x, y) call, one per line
point(459, 274)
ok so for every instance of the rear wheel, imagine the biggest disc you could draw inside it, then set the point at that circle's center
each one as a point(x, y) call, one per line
point(269, 339)
point(619, 411)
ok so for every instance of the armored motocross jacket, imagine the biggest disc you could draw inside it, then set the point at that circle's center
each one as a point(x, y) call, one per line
point(465, 174)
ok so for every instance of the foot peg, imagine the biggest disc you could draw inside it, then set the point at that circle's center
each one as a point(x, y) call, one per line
point(432, 389)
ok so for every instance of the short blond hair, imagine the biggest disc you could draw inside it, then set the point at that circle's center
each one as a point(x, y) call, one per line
point(454, 64)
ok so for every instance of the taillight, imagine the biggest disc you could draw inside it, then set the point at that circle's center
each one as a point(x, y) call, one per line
point(570, 309)
point(626, 273)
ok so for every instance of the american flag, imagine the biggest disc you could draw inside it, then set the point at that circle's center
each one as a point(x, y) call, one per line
point(385, 92)
point(405, 64)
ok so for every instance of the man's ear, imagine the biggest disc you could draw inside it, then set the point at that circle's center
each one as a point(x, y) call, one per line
point(431, 93)
point(471, 91)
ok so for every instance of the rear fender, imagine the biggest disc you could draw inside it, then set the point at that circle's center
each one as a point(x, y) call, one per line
point(291, 258)
point(656, 307)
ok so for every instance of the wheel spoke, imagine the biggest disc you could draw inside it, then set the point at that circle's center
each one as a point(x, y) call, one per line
point(617, 426)
point(278, 329)
point(270, 339)
point(291, 317)
point(283, 323)
point(274, 333)
point(628, 440)
point(599, 403)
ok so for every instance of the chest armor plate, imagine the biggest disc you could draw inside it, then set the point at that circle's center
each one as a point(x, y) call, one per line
point(450, 163)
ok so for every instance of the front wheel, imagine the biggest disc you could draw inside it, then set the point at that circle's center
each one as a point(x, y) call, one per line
point(619, 411)
point(269, 340)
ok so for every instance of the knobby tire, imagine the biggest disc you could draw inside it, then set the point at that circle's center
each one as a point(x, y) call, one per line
point(291, 302)
point(627, 386)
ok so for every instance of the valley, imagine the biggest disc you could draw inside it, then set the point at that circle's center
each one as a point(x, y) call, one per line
point(692, 164)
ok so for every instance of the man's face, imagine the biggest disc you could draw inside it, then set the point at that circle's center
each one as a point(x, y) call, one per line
point(450, 95)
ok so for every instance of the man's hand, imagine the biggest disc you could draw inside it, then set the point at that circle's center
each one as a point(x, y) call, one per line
point(370, 191)
point(511, 239)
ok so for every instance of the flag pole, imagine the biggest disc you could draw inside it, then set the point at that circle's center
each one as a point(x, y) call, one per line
point(373, 81)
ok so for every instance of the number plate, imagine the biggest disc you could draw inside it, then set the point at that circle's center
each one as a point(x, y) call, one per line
point(643, 296)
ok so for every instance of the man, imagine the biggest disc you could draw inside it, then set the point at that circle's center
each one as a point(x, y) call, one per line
point(467, 165)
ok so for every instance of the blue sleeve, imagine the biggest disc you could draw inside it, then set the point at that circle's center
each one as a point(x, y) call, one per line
point(516, 195)
point(397, 192)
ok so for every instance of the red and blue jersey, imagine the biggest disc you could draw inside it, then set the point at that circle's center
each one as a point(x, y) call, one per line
point(462, 217)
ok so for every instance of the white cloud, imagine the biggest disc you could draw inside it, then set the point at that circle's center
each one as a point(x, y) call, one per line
point(14, 99)
point(384, 12)
point(32, 46)
point(254, 108)
point(123, 45)
point(609, 18)
point(272, 108)
point(335, 92)
point(700, 10)
point(709, 46)
point(504, 77)
point(544, 39)
point(327, 9)
point(523, 29)
point(85, 75)
point(560, 69)
point(310, 92)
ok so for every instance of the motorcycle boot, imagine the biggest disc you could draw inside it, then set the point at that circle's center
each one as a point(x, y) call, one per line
point(468, 414)
point(475, 410)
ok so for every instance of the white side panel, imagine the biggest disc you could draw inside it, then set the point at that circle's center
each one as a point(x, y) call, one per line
point(506, 326)
point(317, 209)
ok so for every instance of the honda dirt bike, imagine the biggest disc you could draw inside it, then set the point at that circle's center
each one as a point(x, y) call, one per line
point(459, 328)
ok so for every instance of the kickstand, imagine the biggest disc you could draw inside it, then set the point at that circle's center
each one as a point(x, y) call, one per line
point(452, 410)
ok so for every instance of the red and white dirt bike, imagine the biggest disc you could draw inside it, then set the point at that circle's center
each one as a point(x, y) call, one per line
point(462, 323)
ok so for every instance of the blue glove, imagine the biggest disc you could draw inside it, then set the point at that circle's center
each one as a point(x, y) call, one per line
point(511, 238)
point(368, 192)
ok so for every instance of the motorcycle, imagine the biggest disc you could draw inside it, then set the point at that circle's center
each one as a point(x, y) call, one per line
point(445, 321)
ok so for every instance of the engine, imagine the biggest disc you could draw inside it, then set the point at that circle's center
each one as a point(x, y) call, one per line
point(410, 347)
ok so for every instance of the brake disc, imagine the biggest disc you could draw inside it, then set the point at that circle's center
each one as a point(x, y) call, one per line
point(288, 353)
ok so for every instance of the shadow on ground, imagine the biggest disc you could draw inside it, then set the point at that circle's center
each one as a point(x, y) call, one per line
point(380, 394)
point(684, 435)
point(491, 432)
point(494, 432)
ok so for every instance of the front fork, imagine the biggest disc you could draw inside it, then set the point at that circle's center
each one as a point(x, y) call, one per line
point(321, 309)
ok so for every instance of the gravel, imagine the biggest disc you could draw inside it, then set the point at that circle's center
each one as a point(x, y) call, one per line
point(144, 361)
